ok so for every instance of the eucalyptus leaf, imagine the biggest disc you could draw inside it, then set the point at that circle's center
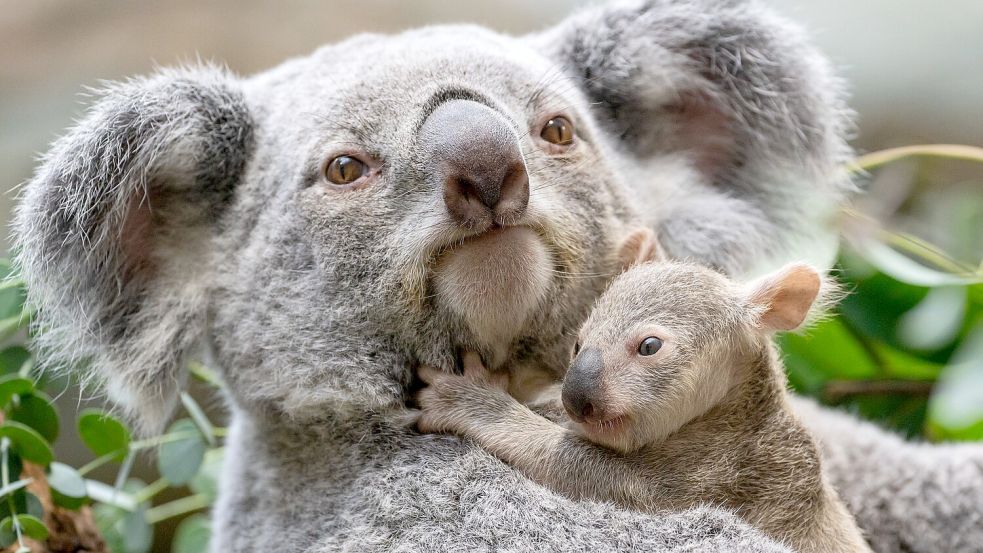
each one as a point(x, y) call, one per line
point(206, 481)
point(13, 358)
point(36, 410)
point(956, 408)
point(30, 526)
point(27, 442)
point(936, 321)
point(137, 535)
point(67, 486)
point(192, 535)
point(179, 460)
point(11, 385)
point(22, 501)
point(12, 301)
point(103, 433)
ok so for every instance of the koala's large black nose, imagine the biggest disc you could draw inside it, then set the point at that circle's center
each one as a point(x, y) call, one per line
point(475, 158)
point(582, 384)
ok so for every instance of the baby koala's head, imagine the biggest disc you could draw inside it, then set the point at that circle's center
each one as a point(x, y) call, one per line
point(665, 342)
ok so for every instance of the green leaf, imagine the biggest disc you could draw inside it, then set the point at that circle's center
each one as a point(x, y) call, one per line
point(14, 465)
point(827, 351)
point(192, 535)
point(67, 486)
point(27, 442)
point(36, 410)
point(30, 526)
point(956, 407)
point(905, 269)
point(11, 385)
point(106, 516)
point(12, 301)
point(13, 358)
point(7, 535)
point(103, 433)
point(206, 481)
point(137, 535)
point(179, 461)
point(23, 502)
point(936, 321)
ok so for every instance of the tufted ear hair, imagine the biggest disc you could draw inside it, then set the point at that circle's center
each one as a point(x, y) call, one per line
point(115, 232)
point(640, 246)
point(737, 92)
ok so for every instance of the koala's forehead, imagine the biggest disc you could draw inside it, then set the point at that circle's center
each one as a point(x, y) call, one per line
point(683, 296)
point(375, 86)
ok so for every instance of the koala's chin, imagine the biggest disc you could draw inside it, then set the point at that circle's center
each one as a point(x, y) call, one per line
point(495, 281)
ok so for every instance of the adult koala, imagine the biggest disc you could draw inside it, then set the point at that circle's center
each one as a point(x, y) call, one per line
point(324, 227)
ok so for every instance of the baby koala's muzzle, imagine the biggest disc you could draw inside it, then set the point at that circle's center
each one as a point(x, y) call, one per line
point(582, 384)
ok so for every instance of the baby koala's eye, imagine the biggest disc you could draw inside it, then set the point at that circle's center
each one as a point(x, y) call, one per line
point(649, 346)
point(558, 130)
point(576, 348)
point(345, 170)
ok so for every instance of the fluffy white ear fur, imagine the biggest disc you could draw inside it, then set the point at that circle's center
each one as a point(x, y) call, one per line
point(641, 246)
point(783, 299)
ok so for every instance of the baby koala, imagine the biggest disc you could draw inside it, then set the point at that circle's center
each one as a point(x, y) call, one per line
point(676, 398)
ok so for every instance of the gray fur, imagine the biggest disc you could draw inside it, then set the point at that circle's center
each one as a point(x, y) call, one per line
point(316, 304)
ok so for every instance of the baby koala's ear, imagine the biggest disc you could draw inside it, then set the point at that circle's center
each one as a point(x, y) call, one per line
point(639, 247)
point(783, 299)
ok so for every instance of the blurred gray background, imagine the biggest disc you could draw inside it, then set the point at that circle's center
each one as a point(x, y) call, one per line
point(915, 68)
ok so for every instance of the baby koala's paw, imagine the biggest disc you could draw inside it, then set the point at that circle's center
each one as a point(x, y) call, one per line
point(457, 402)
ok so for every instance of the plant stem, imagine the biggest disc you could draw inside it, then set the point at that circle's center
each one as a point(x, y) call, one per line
point(150, 491)
point(839, 389)
point(176, 508)
point(98, 462)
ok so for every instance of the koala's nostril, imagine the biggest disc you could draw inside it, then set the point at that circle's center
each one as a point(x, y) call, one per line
point(475, 155)
point(582, 384)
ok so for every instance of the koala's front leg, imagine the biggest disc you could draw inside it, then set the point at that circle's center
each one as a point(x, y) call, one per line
point(476, 405)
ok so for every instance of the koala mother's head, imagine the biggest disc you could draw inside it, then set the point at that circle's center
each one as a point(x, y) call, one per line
point(389, 200)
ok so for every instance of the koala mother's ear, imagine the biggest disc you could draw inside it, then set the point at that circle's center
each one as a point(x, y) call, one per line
point(727, 83)
point(115, 232)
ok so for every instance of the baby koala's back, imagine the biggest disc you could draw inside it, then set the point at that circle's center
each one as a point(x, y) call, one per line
point(676, 369)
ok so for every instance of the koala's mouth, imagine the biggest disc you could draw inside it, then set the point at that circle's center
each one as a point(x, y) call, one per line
point(606, 428)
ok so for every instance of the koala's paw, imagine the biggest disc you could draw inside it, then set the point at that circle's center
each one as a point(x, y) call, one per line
point(457, 403)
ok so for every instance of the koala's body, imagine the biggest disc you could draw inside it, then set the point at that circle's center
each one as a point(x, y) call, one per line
point(322, 228)
point(676, 398)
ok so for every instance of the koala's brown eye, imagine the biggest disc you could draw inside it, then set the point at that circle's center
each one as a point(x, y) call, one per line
point(649, 346)
point(558, 130)
point(345, 170)
point(576, 348)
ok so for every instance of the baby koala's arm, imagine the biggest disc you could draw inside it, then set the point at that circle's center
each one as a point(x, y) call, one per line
point(476, 405)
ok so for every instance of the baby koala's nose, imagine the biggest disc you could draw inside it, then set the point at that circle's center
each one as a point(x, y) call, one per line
point(580, 386)
point(475, 159)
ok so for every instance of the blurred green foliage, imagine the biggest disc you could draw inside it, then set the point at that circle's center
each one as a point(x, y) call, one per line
point(905, 346)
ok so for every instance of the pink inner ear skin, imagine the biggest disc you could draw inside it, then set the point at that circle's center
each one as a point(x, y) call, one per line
point(641, 246)
point(787, 297)
point(705, 131)
point(136, 239)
